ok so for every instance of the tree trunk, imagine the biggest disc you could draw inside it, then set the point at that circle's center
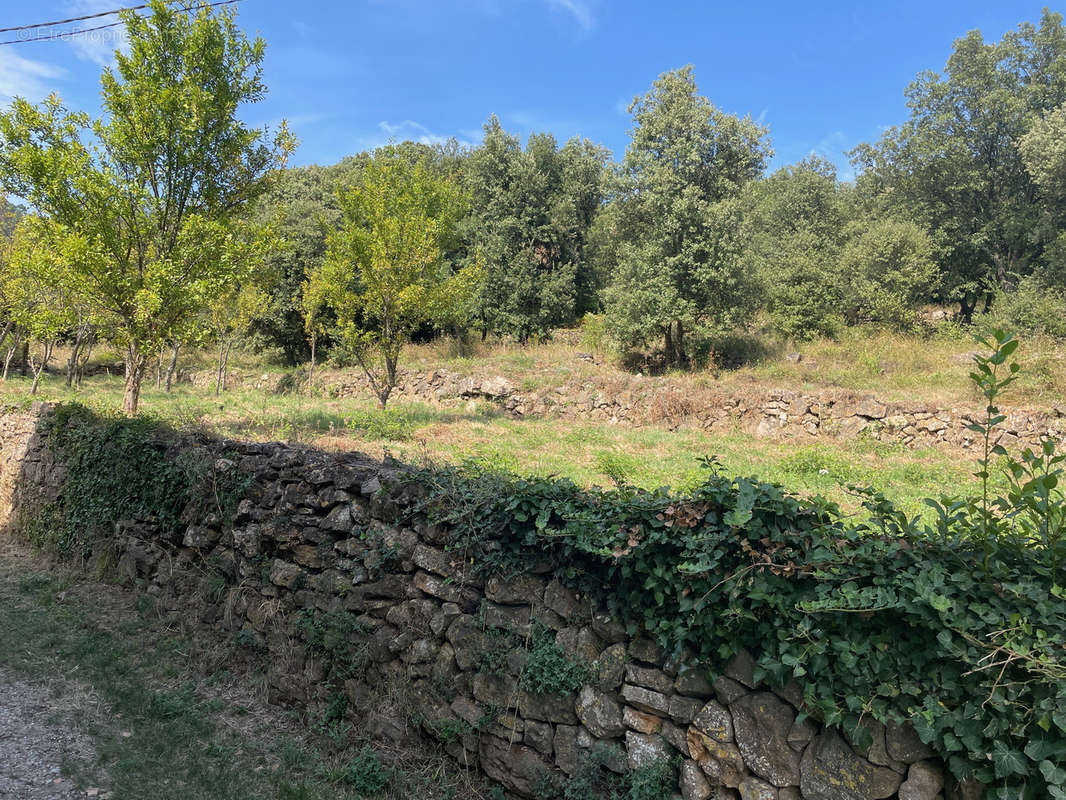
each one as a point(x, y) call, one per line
point(311, 367)
point(24, 358)
point(75, 354)
point(16, 341)
point(135, 363)
point(83, 359)
point(218, 373)
point(172, 366)
point(966, 309)
point(38, 370)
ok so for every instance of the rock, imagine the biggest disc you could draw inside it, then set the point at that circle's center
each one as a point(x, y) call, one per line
point(924, 781)
point(966, 789)
point(831, 771)
point(283, 573)
point(497, 387)
point(547, 707)
point(721, 762)
point(801, 733)
point(600, 713)
point(538, 735)
point(516, 766)
point(641, 722)
point(649, 678)
point(646, 700)
point(715, 721)
point(728, 690)
point(761, 723)
point(693, 682)
point(741, 668)
point(645, 650)
point(495, 690)
point(515, 618)
point(644, 750)
point(609, 668)
point(562, 601)
point(684, 709)
point(755, 789)
point(903, 744)
point(693, 783)
point(565, 746)
point(519, 590)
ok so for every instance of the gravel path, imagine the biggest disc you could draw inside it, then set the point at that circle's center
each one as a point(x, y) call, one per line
point(35, 738)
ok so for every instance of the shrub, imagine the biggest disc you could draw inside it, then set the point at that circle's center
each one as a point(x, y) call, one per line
point(1031, 309)
point(365, 775)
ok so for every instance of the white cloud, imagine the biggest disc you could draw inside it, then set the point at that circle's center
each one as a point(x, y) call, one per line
point(580, 10)
point(407, 130)
point(24, 77)
point(97, 47)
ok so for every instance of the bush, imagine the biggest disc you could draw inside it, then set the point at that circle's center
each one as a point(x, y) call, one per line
point(1031, 309)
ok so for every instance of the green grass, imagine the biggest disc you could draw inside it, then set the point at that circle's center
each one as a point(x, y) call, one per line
point(588, 452)
point(171, 731)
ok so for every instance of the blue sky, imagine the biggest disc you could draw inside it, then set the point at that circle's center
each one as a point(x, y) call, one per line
point(352, 75)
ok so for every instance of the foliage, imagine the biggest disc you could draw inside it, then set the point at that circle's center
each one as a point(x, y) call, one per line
point(956, 165)
point(956, 625)
point(677, 276)
point(530, 218)
point(1032, 309)
point(548, 669)
point(365, 774)
point(126, 469)
point(886, 270)
point(158, 182)
point(385, 270)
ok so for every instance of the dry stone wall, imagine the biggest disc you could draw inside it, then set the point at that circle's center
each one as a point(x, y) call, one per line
point(321, 539)
point(773, 413)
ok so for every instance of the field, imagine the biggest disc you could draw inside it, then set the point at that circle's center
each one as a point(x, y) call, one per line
point(932, 371)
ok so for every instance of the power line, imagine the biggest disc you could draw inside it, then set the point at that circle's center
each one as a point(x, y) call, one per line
point(69, 34)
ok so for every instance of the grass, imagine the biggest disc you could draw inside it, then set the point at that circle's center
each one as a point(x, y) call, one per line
point(586, 451)
point(170, 721)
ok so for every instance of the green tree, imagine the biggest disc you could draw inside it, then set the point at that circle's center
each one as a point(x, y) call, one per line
point(531, 211)
point(956, 166)
point(1043, 149)
point(158, 181)
point(385, 271)
point(793, 231)
point(678, 275)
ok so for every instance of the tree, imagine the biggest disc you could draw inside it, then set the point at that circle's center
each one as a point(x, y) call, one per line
point(385, 271)
point(531, 211)
point(158, 181)
point(793, 232)
point(956, 166)
point(887, 270)
point(678, 275)
point(1043, 149)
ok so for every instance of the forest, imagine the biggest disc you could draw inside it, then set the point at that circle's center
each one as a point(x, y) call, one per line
point(152, 229)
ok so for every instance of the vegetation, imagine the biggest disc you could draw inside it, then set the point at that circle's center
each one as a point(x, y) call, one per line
point(955, 624)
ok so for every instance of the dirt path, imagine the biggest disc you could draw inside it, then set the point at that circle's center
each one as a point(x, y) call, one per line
point(38, 736)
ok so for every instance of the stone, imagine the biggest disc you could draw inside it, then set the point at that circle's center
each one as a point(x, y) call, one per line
point(741, 668)
point(755, 789)
point(645, 650)
point(693, 682)
point(515, 618)
point(547, 707)
point(565, 746)
point(728, 690)
point(721, 762)
point(538, 735)
point(761, 723)
point(903, 744)
point(924, 781)
point(649, 678)
point(801, 733)
point(609, 669)
point(286, 574)
point(830, 770)
point(684, 709)
point(563, 601)
point(966, 789)
point(644, 750)
point(714, 720)
point(693, 782)
point(495, 690)
point(884, 782)
point(646, 700)
point(433, 560)
point(641, 722)
point(519, 590)
point(600, 713)
point(515, 766)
